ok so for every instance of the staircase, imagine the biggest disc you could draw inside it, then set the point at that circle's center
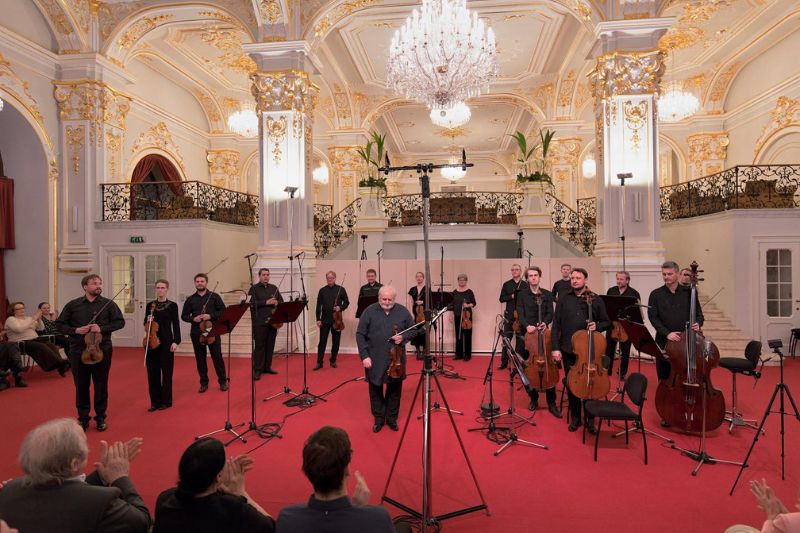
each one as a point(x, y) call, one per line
point(729, 339)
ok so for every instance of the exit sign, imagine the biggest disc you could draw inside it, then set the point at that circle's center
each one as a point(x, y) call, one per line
point(137, 238)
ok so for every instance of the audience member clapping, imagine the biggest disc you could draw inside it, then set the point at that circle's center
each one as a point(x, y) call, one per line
point(779, 519)
point(50, 330)
point(22, 329)
point(210, 496)
point(54, 495)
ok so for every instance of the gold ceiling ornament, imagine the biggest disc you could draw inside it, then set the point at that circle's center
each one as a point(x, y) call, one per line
point(93, 101)
point(110, 14)
point(582, 9)
point(342, 103)
point(19, 89)
point(136, 31)
point(223, 167)
point(58, 16)
point(542, 96)
point(786, 113)
point(452, 133)
point(81, 10)
point(222, 17)
point(211, 109)
point(336, 14)
point(158, 137)
point(270, 11)
point(566, 89)
point(627, 73)
point(721, 84)
point(688, 31)
point(229, 42)
point(582, 95)
point(680, 37)
point(283, 90)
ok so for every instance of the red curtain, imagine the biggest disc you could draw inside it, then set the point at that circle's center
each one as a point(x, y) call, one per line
point(6, 235)
point(145, 166)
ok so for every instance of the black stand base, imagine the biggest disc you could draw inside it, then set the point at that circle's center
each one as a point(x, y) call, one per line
point(702, 458)
point(304, 399)
point(229, 428)
point(512, 438)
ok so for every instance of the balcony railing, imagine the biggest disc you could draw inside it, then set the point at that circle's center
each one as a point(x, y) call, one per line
point(739, 187)
point(454, 208)
point(322, 215)
point(170, 201)
point(340, 227)
point(587, 209)
point(577, 230)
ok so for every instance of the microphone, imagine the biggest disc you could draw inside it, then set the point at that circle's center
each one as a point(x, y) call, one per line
point(297, 256)
point(638, 305)
point(380, 252)
point(530, 254)
point(248, 256)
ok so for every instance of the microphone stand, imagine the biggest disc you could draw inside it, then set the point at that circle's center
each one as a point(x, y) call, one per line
point(519, 244)
point(440, 369)
point(380, 252)
point(622, 178)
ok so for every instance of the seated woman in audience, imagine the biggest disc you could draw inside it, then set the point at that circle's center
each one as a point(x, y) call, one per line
point(22, 329)
point(10, 363)
point(210, 496)
point(779, 519)
point(50, 330)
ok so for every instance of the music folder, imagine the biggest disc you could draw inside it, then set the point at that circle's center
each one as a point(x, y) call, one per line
point(619, 307)
point(228, 320)
point(641, 339)
point(287, 312)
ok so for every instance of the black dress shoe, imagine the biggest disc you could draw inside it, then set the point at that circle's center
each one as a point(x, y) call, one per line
point(19, 382)
point(457, 357)
point(256, 376)
point(270, 371)
point(152, 408)
point(102, 426)
point(317, 367)
point(377, 427)
point(503, 365)
point(392, 426)
point(554, 410)
point(333, 364)
point(533, 406)
point(574, 425)
point(84, 424)
point(590, 427)
point(223, 386)
point(203, 387)
point(164, 406)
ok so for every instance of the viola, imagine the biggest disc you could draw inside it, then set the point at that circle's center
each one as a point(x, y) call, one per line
point(541, 368)
point(466, 318)
point(682, 398)
point(419, 313)
point(338, 319)
point(588, 378)
point(151, 336)
point(93, 354)
point(618, 333)
point(206, 325)
point(397, 354)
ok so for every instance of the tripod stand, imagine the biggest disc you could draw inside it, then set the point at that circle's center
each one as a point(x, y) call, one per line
point(440, 370)
point(783, 388)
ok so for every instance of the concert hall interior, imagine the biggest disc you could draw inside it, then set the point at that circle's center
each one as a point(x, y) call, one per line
point(548, 212)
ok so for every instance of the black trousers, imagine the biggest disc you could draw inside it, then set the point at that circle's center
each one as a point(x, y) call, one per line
point(200, 358)
point(160, 363)
point(508, 333)
point(265, 347)
point(575, 403)
point(385, 406)
point(625, 355)
point(663, 368)
point(324, 330)
point(463, 342)
point(45, 353)
point(10, 358)
point(86, 375)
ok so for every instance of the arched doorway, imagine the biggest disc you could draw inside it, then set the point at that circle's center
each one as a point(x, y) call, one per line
point(155, 183)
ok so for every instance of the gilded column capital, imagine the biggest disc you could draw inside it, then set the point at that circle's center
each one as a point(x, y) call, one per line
point(284, 90)
point(707, 146)
point(223, 167)
point(564, 151)
point(627, 73)
point(345, 159)
point(94, 102)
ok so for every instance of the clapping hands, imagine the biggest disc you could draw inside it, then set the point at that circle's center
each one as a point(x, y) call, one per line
point(233, 474)
point(115, 460)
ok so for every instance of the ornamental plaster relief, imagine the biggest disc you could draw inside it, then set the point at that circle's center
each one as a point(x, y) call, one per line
point(223, 168)
point(158, 137)
point(94, 102)
point(785, 114)
point(707, 153)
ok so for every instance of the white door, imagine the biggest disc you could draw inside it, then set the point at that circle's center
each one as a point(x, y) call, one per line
point(779, 290)
point(138, 271)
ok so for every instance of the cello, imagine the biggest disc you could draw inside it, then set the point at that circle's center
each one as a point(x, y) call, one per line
point(588, 378)
point(686, 399)
point(541, 370)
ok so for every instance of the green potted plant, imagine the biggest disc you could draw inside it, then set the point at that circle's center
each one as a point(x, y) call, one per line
point(372, 178)
point(526, 158)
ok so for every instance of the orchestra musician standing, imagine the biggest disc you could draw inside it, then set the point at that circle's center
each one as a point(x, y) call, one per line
point(205, 305)
point(463, 302)
point(508, 296)
point(529, 300)
point(564, 285)
point(330, 298)
point(266, 298)
point(572, 315)
point(417, 294)
point(669, 310)
point(160, 361)
point(372, 286)
point(622, 288)
point(90, 313)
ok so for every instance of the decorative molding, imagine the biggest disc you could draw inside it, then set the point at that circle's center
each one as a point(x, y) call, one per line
point(284, 90)
point(212, 111)
point(635, 119)
point(229, 43)
point(74, 137)
point(19, 89)
point(715, 97)
point(93, 101)
point(566, 89)
point(223, 168)
point(630, 73)
point(332, 17)
point(160, 138)
point(707, 152)
point(136, 31)
point(276, 132)
point(345, 159)
point(786, 113)
point(270, 11)
point(114, 153)
point(564, 151)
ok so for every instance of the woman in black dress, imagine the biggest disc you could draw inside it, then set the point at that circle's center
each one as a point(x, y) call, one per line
point(417, 293)
point(160, 361)
point(463, 299)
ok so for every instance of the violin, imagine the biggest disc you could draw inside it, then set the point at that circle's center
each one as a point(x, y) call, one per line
point(687, 399)
point(279, 325)
point(618, 333)
point(588, 378)
point(338, 319)
point(206, 325)
point(397, 354)
point(541, 369)
point(466, 318)
point(151, 339)
point(93, 354)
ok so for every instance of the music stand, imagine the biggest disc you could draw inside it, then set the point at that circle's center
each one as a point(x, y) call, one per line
point(224, 326)
point(619, 307)
point(287, 313)
point(364, 302)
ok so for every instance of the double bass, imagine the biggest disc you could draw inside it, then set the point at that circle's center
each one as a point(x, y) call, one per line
point(588, 378)
point(541, 370)
point(687, 394)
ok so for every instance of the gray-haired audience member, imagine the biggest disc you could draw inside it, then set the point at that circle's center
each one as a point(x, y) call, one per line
point(210, 496)
point(326, 463)
point(54, 495)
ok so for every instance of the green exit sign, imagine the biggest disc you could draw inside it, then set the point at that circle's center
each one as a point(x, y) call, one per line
point(137, 238)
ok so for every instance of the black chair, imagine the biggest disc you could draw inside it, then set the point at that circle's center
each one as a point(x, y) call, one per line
point(793, 341)
point(636, 390)
point(746, 367)
point(605, 361)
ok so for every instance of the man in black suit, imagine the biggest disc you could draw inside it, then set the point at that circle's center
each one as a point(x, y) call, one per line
point(54, 495)
point(267, 297)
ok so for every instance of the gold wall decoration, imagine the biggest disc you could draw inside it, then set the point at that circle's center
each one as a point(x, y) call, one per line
point(342, 103)
point(109, 15)
point(136, 31)
point(566, 89)
point(114, 152)
point(223, 168)
point(688, 29)
point(160, 138)
point(627, 73)
point(332, 17)
point(211, 109)
point(58, 16)
point(707, 151)
point(222, 17)
point(19, 88)
point(542, 96)
point(82, 12)
point(564, 151)
point(284, 90)
point(270, 11)
point(344, 159)
point(229, 42)
point(74, 137)
point(276, 132)
point(52, 174)
point(785, 114)
point(92, 101)
point(716, 95)
point(635, 119)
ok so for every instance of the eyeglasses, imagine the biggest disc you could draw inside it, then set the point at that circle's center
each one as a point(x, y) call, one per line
point(19, 308)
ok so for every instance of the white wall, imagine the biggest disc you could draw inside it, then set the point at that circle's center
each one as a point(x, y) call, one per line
point(28, 22)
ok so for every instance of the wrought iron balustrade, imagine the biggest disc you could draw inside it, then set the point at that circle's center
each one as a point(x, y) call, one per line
point(587, 208)
point(579, 231)
point(454, 208)
point(739, 187)
point(322, 215)
point(340, 227)
point(170, 201)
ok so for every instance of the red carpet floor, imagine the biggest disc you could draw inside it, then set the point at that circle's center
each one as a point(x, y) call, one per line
point(527, 489)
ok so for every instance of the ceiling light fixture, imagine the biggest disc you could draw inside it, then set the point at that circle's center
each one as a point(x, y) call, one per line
point(443, 54)
point(675, 104)
point(589, 167)
point(453, 173)
point(452, 117)
point(321, 174)
point(245, 121)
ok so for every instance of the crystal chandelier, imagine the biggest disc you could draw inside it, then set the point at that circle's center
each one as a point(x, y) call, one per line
point(453, 173)
point(320, 175)
point(245, 121)
point(675, 104)
point(452, 117)
point(589, 167)
point(442, 55)
point(1, 104)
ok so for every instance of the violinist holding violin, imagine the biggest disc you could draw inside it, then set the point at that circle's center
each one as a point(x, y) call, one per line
point(463, 304)
point(417, 294)
point(571, 315)
point(205, 306)
point(331, 299)
point(162, 329)
point(530, 300)
point(508, 295)
point(96, 314)
point(622, 288)
point(378, 340)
